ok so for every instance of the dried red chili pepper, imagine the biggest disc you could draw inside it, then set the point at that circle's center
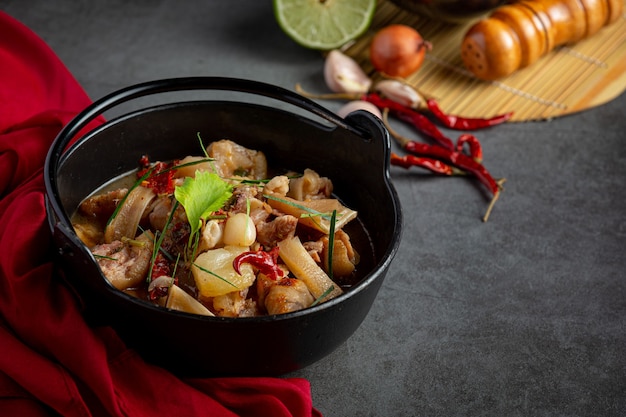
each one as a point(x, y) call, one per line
point(412, 116)
point(475, 148)
point(453, 157)
point(464, 123)
point(160, 267)
point(265, 262)
point(431, 164)
point(161, 179)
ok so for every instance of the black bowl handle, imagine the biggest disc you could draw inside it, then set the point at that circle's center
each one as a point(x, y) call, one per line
point(194, 83)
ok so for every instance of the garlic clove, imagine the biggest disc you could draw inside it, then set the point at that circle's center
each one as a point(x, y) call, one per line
point(344, 75)
point(355, 105)
point(400, 93)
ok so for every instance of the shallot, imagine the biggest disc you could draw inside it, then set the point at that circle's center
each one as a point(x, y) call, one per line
point(344, 75)
point(398, 50)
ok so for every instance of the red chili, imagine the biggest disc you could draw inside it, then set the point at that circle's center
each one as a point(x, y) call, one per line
point(475, 148)
point(161, 179)
point(265, 262)
point(160, 267)
point(412, 116)
point(430, 164)
point(464, 123)
point(455, 158)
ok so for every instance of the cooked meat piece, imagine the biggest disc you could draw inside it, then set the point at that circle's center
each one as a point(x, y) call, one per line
point(211, 235)
point(159, 211)
point(127, 219)
point(286, 295)
point(230, 304)
point(233, 160)
point(310, 186)
point(125, 264)
point(280, 228)
point(102, 206)
point(314, 248)
point(278, 186)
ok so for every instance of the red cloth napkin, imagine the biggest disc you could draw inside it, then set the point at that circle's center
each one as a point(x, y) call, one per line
point(51, 361)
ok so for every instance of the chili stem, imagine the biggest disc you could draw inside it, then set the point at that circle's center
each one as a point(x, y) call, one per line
point(495, 197)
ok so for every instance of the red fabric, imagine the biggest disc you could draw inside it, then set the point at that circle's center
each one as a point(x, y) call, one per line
point(51, 361)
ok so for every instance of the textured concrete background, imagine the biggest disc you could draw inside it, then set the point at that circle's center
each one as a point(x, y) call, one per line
point(524, 315)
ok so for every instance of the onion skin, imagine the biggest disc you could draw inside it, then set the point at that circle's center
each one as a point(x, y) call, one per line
point(398, 50)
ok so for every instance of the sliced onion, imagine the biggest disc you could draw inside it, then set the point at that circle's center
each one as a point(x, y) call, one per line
point(127, 219)
point(161, 282)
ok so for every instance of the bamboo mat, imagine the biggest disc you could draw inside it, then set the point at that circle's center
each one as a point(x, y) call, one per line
point(569, 79)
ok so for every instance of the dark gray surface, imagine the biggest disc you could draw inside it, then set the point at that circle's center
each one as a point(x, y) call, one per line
point(521, 316)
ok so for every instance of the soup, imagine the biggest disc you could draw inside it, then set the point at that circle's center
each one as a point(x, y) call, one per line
point(223, 234)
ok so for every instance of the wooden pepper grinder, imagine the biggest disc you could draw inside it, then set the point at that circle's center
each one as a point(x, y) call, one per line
point(517, 34)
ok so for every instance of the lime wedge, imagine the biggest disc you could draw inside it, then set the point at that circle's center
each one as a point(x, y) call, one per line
point(324, 24)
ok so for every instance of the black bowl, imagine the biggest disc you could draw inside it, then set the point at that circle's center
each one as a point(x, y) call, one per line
point(353, 152)
point(454, 11)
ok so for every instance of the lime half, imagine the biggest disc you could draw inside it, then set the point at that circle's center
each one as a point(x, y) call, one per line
point(324, 24)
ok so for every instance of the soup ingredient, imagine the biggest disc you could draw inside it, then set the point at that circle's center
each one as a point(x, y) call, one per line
point(516, 35)
point(179, 300)
point(201, 196)
point(125, 262)
point(344, 75)
point(213, 238)
point(287, 295)
point(465, 123)
point(355, 105)
point(314, 213)
point(214, 273)
point(232, 160)
point(265, 262)
point(239, 230)
point(344, 258)
point(309, 186)
point(161, 176)
point(126, 219)
point(398, 50)
point(324, 24)
point(300, 263)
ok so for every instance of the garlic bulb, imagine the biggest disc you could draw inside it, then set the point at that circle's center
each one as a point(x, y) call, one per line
point(400, 93)
point(344, 75)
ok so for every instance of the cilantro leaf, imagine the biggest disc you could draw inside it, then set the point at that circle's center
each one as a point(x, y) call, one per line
point(201, 196)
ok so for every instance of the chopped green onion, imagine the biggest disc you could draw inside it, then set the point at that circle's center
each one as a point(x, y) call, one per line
point(299, 206)
point(331, 243)
point(214, 274)
point(123, 200)
point(104, 257)
point(321, 297)
point(159, 241)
